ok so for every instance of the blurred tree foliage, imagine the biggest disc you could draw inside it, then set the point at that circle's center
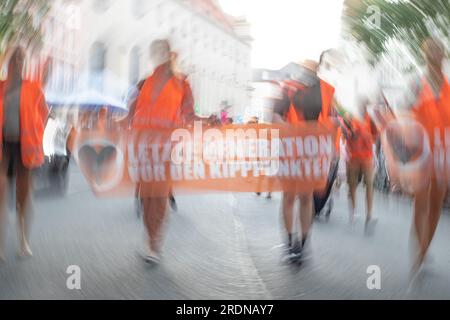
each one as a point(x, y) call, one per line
point(407, 20)
point(20, 22)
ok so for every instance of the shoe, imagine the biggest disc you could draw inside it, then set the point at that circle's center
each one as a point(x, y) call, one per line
point(369, 227)
point(353, 219)
point(269, 196)
point(173, 203)
point(293, 254)
point(152, 260)
point(25, 251)
point(258, 194)
point(415, 271)
point(307, 250)
point(151, 257)
point(351, 216)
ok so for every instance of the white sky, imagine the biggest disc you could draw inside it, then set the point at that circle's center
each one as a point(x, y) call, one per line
point(288, 30)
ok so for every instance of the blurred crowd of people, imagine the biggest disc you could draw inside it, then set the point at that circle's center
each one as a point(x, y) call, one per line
point(165, 100)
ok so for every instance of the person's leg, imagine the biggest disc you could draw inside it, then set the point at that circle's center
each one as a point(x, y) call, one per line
point(306, 214)
point(437, 196)
point(352, 181)
point(138, 203)
point(259, 185)
point(270, 186)
point(288, 215)
point(420, 224)
point(23, 205)
point(172, 202)
point(369, 173)
point(3, 196)
point(154, 217)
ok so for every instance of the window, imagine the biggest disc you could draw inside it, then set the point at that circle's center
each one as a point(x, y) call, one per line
point(97, 63)
point(135, 61)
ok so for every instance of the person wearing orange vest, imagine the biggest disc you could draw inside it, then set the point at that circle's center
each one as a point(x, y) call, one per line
point(172, 201)
point(23, 114)
point(432, 109)
point(312, 102)
point(359, 142)
point(164, 101)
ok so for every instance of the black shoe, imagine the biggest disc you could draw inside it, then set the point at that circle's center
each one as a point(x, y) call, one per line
point(173, 203)
point(258, 194)
point(151, 258)
point(269, 196)
point(297, 253)
point(293, 253)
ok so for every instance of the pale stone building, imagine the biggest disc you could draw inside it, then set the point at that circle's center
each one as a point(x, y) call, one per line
point(115, 35)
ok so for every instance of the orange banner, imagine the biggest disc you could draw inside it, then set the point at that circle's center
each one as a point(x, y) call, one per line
point(238, 158)
point(413, 157)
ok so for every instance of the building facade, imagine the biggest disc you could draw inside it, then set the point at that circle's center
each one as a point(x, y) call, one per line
point(214, 49)
point(61, 52)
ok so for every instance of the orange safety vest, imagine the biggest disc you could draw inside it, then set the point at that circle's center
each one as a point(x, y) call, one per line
point(361, 146)
point(160, 109)
point(327, 93)
point(433, 113)
point(33, 118)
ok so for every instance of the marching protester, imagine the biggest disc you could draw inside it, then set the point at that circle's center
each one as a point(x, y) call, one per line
point(431, 109)
point(311, 103)
point(165, 101)
point(24, 113)
point(359, 134)
point(132, 106)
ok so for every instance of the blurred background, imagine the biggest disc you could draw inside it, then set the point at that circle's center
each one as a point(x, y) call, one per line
point(237, 55)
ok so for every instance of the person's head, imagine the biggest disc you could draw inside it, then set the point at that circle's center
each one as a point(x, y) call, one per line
point(310, 65)
point(433, 52)
point(329, 59)
point(308, 76)
point(253, 120)
point(160, 52)
point(323, 56)
point(362, 105)
point(16, 62)
point(330, 66)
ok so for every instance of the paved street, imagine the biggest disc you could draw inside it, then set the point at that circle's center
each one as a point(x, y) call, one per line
point(218, 247)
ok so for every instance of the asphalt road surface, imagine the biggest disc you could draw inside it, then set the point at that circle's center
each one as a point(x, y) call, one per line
point(218, 246)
